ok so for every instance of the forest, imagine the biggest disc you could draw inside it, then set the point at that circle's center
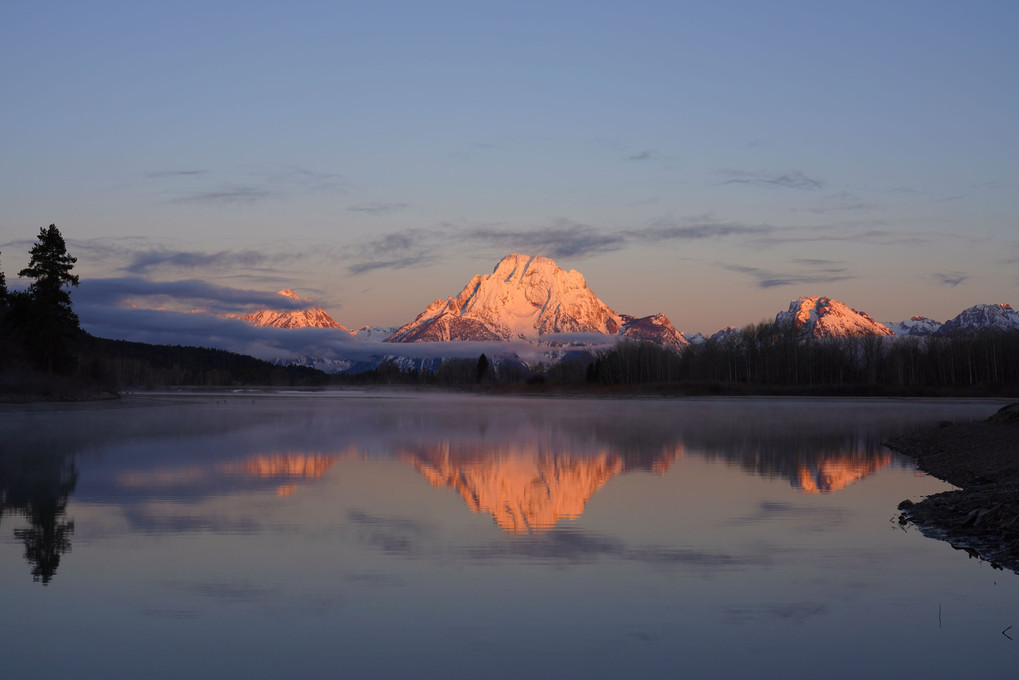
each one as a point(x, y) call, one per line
point(44, 354)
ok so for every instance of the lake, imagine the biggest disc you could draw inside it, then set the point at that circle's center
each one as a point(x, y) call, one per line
point(269, 535)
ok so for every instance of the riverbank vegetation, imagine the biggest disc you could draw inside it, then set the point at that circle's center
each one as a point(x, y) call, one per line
point(44, 354)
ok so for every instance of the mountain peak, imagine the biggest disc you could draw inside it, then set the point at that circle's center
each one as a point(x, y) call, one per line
point(822, 317)
point(916, 326)
point(998, 316)
point(655, 328)
point(311, 317)
point(525, 296)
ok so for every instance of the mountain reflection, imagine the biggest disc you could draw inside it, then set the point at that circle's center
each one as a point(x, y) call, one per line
point(36, 484)
point(813, 461)
point(529, 464)
point(523, 489)
point(282, 469)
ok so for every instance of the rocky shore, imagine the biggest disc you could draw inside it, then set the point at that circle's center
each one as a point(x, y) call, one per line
point(983, 460)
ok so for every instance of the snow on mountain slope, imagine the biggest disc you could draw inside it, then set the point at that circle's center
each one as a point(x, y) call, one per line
point(917, 326)
point(523, 298)
point(312, 317)
point(374, 333)
point(980, 317)
point(822, 317)
point(655, 328)
point(724, 334)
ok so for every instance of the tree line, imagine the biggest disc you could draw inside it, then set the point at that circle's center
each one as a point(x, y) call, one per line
point(44, 353)
point(40, 337)
point(762, 357)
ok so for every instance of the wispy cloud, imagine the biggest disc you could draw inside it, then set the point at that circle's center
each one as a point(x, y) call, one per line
point(145, 261)
point(159, 174)
point(397, 250)
point(564, 238)
point(951, 279)
point(786, 180)
point(189, 293)
point(394, 263)
point(560, 239)
point(843, 201)
point(764, 278)
point(377, 208)
point(645, 155)
point(853, 232)
point(673, 230)
point(226, 194)
point(241, 186)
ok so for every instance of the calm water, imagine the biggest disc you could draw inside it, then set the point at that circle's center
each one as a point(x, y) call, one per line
point(371, 535)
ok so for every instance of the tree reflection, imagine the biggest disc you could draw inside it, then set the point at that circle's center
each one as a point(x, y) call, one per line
point(37, 485)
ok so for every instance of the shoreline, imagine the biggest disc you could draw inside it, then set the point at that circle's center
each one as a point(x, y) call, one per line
point(982, 459)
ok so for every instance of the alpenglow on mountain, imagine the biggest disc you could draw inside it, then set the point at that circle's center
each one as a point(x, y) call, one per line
point(822, 317)
point(312, 317)
point(524, 298)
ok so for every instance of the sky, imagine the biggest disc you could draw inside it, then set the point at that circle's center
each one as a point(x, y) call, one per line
point(708, 160)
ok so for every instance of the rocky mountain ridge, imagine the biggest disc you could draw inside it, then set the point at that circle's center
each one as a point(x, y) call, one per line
point(531, 299)
point(311, 317)
point(821, 317)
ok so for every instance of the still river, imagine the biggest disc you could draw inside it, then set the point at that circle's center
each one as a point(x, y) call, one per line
point(270, 535)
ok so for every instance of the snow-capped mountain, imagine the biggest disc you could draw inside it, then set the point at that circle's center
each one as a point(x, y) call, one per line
point(655, 328)
point(917, 326)
point(523, 298)
point(724, 334)
point(374, 333)
point(822, 317)
point(314, 317)
point(981, 317)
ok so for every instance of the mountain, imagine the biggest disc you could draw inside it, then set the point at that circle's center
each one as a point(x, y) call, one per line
point(695, 339)
point(314, 317)
point(822, 317)
point(523, 298)
point(981, 317)
point(917, 326)
point(525, 489)
point(725, 334)
point(374, 333)
point(655, 328)
point(832, 473)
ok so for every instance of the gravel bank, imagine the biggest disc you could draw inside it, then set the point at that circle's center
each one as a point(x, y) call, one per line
point(983, 460)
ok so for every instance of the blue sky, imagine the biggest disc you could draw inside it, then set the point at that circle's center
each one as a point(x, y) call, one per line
point(711, 161)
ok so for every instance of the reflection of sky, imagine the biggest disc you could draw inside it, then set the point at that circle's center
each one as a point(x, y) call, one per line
point(183, 541)
point(526, 463)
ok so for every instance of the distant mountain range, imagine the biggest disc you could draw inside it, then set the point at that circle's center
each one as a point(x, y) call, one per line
point(313, 317)
point(530, 299)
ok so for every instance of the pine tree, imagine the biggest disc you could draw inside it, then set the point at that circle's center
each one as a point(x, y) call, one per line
point(3, 289)
point(47, 325)
point(50, 269)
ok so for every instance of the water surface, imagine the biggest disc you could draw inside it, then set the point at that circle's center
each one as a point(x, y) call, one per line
point(379, 535)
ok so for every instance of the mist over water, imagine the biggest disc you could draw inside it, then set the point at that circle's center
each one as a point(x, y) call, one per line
point(171, 535)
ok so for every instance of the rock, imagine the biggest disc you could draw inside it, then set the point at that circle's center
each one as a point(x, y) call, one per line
point(1006, 415)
